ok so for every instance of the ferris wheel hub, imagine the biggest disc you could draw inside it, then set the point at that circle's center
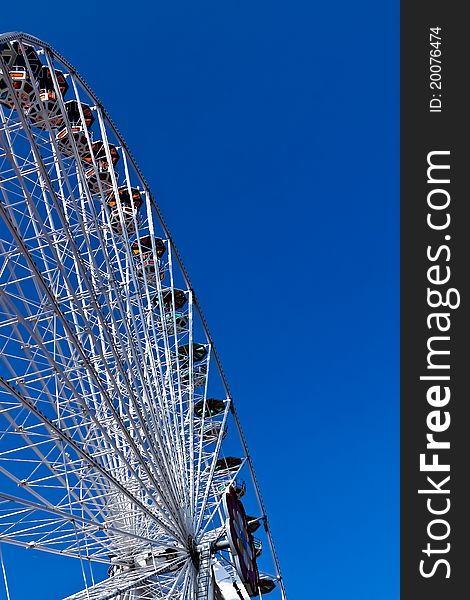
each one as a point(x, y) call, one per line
point(194, 552)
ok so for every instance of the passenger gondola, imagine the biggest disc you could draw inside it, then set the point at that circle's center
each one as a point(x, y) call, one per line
point(171, 297)
point(78, 127)
point(199, 351)
point(254, 523)
point(143, 251)
point(20, 64)
point(238, 485)
point(129, 204)
point(181, 321)
point(48, 107)
point(198, 377)
point(209, 408)
point(100, 178)
point(212, 431)
point(265, 586)
point(228, 463)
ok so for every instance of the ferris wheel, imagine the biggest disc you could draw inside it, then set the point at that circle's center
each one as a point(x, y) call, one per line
point(119, 440)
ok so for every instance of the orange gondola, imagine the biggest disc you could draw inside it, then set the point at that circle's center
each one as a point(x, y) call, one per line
point(130, 204)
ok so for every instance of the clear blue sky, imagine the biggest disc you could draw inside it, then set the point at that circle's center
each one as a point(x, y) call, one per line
point(269, 132)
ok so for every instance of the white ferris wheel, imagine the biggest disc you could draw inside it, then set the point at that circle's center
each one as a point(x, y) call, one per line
point(119, 440)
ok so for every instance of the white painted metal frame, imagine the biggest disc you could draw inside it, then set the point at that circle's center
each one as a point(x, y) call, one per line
point(101, 453)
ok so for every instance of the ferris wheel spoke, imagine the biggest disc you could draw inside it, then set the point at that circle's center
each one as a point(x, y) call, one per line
point(115, 484)
point(79, 497)
point(69, 406)
point(215, 506)
point(137, 338)
point(186, 390)
point(82, 408)
point(66, 327)
point(87, 492)
point(175, 399)
point(47, 550)
point(56, 261)
point(145, 579)
point(212, 461)
point(168, 402)
point(82, 495)
point(30, 524)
